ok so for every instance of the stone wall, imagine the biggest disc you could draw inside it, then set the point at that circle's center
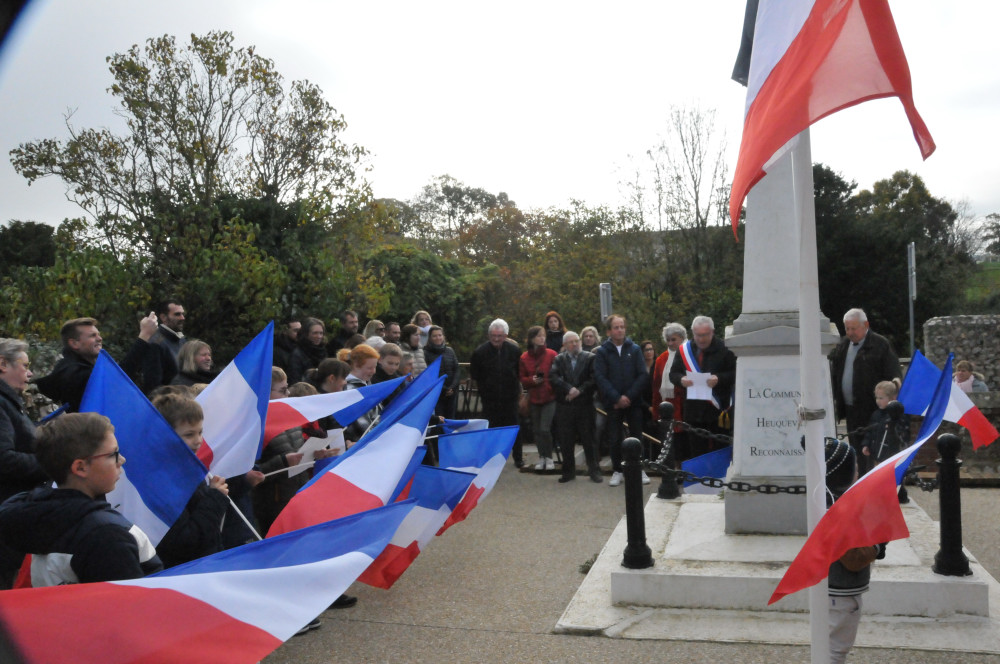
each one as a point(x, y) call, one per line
point(973, 338)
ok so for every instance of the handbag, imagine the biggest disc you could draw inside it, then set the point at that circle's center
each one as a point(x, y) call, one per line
point(523, 405)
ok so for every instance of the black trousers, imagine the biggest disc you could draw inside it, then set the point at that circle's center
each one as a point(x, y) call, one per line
point(504, 414)
point(617, 418)
point(576, 427)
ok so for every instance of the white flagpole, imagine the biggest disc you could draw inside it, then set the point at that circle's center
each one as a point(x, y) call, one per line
point(811, 376)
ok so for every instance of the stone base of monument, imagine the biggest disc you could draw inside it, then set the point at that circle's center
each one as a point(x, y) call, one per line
point(709, 586)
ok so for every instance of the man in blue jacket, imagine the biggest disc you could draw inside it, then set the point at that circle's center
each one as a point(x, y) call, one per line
point(622, 379)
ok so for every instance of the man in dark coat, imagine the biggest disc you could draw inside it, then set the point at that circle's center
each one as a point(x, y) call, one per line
point(622, 380)
point(860, 361)
point(713, 358)
point(82, 343)
point(494, 367)
point(572, 378)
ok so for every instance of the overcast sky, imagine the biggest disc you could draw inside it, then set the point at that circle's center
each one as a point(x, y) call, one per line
point(542, 100)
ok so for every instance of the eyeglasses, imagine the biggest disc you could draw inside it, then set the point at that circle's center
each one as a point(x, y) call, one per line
point(116, 454)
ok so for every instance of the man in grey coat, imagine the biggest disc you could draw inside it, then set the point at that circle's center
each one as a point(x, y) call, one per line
point(572, 378)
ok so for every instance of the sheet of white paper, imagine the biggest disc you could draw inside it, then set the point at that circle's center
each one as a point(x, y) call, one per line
point(334, 440)
point(699, 389)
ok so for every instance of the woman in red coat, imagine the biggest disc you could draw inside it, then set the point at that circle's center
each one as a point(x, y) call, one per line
point(674, 335)
point(534, 374)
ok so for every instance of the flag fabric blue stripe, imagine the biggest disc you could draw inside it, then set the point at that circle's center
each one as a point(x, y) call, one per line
point(419, 409)
point(372, 395)
point(415, 462)
point(471, 449)
point(932, 420)
point(306, 545)
point(160, 466)
point(918, 387)
point(433, 485)
point(713, 464)
point(413, 392)
point(254, 363)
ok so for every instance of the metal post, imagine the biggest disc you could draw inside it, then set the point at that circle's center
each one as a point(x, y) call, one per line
point(668, 480)
point(637, 553)
point(950, 560)
point(911, 260)
point(605, 297)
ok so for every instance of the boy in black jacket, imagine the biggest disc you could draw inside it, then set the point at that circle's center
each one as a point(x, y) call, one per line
point(71, 531)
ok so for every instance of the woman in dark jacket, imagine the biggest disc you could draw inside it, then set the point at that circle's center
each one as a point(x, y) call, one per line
point(437, 347)
point(194, 363)
point(554, 331)
point(19, 469)
point(311, 350)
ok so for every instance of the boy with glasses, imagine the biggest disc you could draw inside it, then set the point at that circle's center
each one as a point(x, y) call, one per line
point(73, 534)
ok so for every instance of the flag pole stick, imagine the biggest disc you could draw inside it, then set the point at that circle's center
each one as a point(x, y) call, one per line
point(308, 464)
point(811, 377)
point(243, 516)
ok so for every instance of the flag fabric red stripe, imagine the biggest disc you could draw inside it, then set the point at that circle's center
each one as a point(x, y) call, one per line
point(980, 430)
point(209, 634)
point(874, 516)
point(390, 565)
point(333, 498)
point(461, 511)
point(845, 53)
point(281, 417)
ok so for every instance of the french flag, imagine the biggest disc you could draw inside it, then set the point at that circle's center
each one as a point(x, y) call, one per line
point(868, 513)
point(811, 58)
point(232, 607)
point(161, 473)
point(712, 464)
point(916, 392)
point(235, 405)
point(437, 492)
point(481, 452)
point(367, 475)
point(345, 407)
point(458, 426)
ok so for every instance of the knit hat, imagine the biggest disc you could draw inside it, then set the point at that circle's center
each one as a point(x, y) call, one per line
point(841, 468)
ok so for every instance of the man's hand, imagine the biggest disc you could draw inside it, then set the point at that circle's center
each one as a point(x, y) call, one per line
point(623, 402)
point(712, 381)
point(686, 382)
point(147, 326)
point(572, 394)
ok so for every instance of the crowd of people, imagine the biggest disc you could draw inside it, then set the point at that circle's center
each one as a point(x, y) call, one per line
point(571, 389)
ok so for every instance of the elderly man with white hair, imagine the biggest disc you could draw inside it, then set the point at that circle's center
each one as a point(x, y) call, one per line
point(494, 367)
point(706, 354)
point(860, 361)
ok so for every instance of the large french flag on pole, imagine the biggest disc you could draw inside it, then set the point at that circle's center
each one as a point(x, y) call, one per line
point(161, 472)
point(367, 475)
point(918, 388)
point(482, 452)
point(345, 407)
point(233, 607)
point(868, 513)
point(235, 405)
point(811, 58)
point(437, 492)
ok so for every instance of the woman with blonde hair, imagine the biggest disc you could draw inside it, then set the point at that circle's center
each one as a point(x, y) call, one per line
point(194, 362)
point(422, 320)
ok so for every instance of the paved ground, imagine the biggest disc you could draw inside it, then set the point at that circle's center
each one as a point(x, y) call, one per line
point(492, 588)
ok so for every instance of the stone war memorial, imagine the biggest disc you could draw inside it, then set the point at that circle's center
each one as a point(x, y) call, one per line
point(717, 559)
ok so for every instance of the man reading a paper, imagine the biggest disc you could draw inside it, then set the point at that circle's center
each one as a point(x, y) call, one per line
point(707, 370)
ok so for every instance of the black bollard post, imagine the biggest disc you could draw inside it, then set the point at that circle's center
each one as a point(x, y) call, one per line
point(668, 480)
point(950, 560)
point(637, 553)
